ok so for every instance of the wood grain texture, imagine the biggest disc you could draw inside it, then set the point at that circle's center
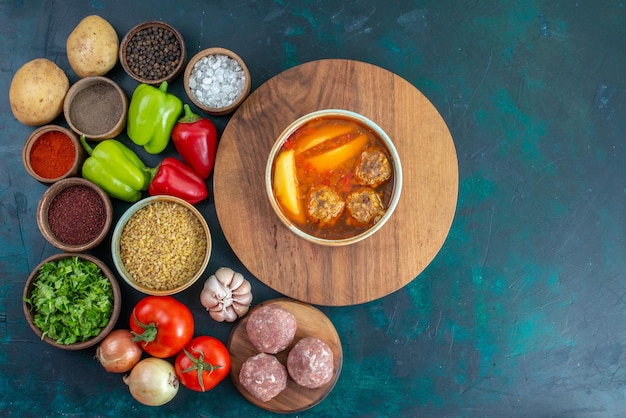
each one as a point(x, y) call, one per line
point(311, 322)
point(385, 262)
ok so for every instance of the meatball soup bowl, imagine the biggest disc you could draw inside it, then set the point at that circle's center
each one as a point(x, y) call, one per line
point(333, 177)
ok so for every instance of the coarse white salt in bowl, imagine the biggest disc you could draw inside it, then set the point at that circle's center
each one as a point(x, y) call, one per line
point(217, 81)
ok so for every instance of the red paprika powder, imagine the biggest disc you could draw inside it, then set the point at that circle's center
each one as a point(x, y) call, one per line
point(52, 155)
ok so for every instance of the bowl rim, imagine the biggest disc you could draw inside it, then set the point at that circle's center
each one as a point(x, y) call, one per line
point(132, 32)
point(397, 167)
point(87, 82)
point(217, 111)
point(34, 137)
point(117, 301)
point(117, 233)
point(44, 205)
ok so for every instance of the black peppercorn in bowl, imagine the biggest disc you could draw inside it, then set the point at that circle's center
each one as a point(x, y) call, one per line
point(74, 214)
point(92, 294)
point(153, 52)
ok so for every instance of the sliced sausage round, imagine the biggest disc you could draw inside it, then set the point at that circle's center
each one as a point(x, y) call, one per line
point(310, 363)
point(271, 328)
point(263, 376)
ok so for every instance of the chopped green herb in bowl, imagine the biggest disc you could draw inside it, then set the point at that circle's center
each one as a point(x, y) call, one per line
point(72, 301)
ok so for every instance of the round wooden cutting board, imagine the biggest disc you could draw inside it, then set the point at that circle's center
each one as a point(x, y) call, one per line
point(311, 322)
point(383, 263)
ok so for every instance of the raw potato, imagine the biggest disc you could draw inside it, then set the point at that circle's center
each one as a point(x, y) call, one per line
point(37, 92)
point(92, 47)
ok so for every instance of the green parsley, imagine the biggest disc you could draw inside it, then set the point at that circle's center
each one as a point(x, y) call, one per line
point(71, 300)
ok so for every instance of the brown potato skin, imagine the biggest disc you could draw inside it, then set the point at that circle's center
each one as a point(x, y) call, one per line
point(92, 47)
point(37, 92)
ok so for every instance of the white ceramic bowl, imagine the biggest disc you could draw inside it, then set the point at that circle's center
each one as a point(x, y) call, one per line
point(394, 159)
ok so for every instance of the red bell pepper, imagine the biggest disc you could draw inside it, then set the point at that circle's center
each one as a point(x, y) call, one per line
point(174, 178)
point(195, 139)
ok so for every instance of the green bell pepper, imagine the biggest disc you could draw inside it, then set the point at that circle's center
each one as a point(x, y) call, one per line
point(116, 169)
point(152, 114)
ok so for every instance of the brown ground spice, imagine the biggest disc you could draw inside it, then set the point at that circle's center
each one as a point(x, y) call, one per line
point(96, 109)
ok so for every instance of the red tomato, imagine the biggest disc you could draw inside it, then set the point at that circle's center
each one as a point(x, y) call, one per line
point(203, 363)
point(162, 325)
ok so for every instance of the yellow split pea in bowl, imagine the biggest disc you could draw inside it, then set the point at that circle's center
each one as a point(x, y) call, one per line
point(161, 245)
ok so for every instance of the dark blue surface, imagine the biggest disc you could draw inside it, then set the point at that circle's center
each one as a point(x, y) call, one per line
point(523, 311)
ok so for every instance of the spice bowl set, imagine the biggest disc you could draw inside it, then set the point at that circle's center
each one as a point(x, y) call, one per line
point(75, 213)
point(216, 79)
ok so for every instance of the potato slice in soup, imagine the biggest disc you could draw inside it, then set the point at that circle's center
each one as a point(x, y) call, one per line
point(286, 185)
point(320, 135)
point(332, 159)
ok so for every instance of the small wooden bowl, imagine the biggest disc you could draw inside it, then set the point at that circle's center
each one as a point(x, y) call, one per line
point(27, 153)
point(119, 261)
point(117, 302)
point(96, 107)
point(43, 209)
point(244, 88)
point(125, 56)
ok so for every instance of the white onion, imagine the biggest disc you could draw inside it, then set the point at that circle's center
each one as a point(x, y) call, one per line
point(153, 381)
point(118, 353)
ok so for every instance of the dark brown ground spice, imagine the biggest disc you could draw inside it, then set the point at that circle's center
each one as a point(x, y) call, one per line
point(77, 215)
point(96, 109)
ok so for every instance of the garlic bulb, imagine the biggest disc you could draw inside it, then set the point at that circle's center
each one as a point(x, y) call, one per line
point(226, 295)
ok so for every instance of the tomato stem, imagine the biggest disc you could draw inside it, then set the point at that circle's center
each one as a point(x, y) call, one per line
point(149, 332)
point(199, 366)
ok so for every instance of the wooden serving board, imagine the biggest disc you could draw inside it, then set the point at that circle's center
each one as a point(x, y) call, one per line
point(311, 322)
point(383, 263)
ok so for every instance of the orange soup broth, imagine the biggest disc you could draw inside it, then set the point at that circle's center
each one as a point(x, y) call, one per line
point(341, 178)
